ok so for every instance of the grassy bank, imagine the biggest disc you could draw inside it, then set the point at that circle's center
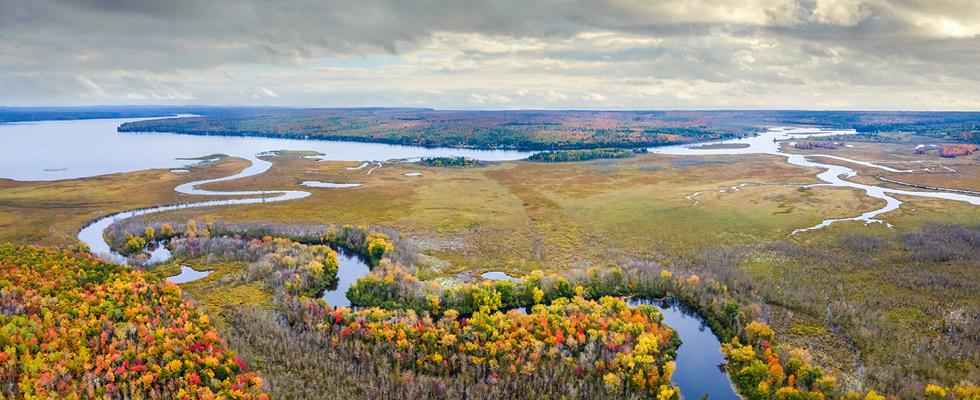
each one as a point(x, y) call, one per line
point(51, 212)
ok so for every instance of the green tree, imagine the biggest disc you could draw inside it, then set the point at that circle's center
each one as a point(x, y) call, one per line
point(134, 245)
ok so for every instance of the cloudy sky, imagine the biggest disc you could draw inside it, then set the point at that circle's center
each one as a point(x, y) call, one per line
point(494, 54)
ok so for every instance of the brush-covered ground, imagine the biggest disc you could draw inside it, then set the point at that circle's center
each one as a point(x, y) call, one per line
point(889, 309)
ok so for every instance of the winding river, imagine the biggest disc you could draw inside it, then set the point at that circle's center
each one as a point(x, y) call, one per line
point(699, 357)
point(53, 150)
point(834, 175)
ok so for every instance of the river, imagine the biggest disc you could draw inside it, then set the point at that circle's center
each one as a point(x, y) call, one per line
point(53, 150)
point(699, 357)
point(834, 175)
point(350, 267)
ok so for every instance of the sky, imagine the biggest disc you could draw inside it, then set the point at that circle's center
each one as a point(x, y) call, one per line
point(494, 54)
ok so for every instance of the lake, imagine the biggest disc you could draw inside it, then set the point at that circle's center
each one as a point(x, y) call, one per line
point(52, 150)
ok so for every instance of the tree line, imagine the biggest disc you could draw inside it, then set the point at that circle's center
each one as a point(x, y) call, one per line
point(584, 155)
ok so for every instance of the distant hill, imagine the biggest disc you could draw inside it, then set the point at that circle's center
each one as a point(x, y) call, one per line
point(530, 130)
point(522, 129)
point(28, 114)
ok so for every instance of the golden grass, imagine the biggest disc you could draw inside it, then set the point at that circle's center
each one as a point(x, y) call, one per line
point(50, 213)
point(522, 216)
point(510, 215)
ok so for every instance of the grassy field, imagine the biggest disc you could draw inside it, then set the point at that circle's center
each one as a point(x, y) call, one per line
point(51, 213)
point(518, 216)
point(522, 216)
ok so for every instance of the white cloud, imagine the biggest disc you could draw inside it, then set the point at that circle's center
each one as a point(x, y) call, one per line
point(268, 92)
point(855, 54)
point(841, 12)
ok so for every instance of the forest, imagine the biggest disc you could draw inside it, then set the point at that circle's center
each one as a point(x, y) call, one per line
point(732, 303)
point(449, 162)
point(451, 316)
point(415, 339)
point(584, 155)
point(956, 150)
point(540, 130)
point(472, 129)
point(829, 145)
point(24, 114)
point(74, 326)
point(852, 312)
point(490, 200)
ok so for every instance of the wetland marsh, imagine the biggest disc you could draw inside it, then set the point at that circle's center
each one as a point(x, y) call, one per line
point(673, 207)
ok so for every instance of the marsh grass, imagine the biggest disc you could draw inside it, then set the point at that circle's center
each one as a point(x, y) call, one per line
point(51, 212)
point(903, 306)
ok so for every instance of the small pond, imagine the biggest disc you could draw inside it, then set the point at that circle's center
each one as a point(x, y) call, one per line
point(351, 266)
point(699, 357)
point(498, 276)
point(329, 184)
point(187, 274)
point(158, 252)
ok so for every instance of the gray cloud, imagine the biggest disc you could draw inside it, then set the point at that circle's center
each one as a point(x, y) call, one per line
point(855, 54)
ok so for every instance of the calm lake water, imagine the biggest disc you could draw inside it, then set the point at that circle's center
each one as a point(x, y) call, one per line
point(52, 150)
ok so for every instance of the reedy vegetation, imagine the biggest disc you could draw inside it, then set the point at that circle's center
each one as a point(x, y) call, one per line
point(292, 267)
point(359, 239)
point(582, 349)
point(920, 263)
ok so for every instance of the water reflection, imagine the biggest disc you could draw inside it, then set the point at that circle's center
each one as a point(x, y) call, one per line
point(698, 357)
point(499, 276)
point(329, 185)
point(52, 150)
point(351, 266)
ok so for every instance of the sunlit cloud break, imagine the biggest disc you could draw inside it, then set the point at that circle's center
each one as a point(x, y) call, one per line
point(675, 54)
